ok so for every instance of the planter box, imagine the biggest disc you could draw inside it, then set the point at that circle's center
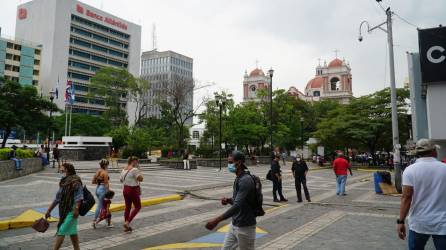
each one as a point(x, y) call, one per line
point(29, 166)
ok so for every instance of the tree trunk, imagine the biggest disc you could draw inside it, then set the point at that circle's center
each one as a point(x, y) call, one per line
point(5, 138)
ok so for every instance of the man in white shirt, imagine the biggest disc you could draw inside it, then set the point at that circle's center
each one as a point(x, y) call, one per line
point(424, 188)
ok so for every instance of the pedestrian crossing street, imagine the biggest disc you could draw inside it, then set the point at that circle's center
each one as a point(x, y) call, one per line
point(288, 225)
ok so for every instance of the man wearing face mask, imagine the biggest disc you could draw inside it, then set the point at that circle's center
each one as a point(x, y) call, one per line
point(242, 230)
point(300, 170)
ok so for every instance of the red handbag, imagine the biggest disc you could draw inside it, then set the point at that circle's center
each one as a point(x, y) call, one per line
point(40, 225)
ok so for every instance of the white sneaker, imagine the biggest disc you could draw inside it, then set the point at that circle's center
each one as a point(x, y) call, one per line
point(110, 226)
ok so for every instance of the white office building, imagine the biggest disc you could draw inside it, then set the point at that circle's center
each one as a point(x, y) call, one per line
point(77, 40)
point(161, 68)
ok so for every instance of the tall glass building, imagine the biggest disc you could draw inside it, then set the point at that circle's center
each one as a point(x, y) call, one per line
point(77, 41)
point(161, 68)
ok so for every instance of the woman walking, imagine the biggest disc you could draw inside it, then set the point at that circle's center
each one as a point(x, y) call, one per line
point(69, 197)
point(101, 178)
point(131, 177)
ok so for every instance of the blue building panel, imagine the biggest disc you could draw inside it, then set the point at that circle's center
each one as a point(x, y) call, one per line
point(25, 80)
point(27, 60)
point(2, 56)
point(27, 51)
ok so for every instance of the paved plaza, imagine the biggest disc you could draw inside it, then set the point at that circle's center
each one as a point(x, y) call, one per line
point(360, 220)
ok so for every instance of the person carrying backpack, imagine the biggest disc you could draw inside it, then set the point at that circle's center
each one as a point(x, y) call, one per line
point(69, 197)
point(246, 206)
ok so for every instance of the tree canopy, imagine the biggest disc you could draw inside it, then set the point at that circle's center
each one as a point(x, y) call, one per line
point(22, 107)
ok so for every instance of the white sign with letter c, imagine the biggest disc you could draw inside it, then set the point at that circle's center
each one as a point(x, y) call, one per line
point(435, 60)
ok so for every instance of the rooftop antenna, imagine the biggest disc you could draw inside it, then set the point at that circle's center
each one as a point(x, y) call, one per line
point(154, 46)
point(319, 61)
point(257, 64)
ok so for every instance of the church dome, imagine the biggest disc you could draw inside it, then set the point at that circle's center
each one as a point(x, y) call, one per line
point(335, 63)
point(257, 72)
point(315, 83)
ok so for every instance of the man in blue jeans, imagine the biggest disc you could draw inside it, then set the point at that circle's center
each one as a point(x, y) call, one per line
point(424, 186)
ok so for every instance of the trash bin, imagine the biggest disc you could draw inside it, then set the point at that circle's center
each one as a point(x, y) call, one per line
point(378, 179)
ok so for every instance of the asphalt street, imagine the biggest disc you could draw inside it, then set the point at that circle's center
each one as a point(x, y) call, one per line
point(360, 220)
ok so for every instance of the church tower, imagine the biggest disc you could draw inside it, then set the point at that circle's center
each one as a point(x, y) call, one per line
point(252, 83)
point(332, 81)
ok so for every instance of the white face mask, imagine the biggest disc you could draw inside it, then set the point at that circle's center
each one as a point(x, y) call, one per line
point(298, 159)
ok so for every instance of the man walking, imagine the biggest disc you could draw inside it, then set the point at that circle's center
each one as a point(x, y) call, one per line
point(424, 187)
point(277, 179)
point(300, 170)
point(340, 167)
point(242, 230)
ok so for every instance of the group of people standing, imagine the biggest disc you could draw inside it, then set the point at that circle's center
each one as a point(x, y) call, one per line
point(299, 170)
point(70, 195)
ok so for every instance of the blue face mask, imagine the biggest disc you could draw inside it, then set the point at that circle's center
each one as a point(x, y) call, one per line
point(232, 168)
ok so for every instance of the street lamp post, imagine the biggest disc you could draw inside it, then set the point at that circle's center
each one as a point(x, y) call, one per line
point(270, 73)
point(221, 104)
point(52, 93)
point(395, 132)
point(302, 136)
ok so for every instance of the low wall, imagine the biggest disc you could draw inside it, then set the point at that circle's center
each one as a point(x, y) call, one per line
point(29, 166)
point(141, 161)
point(178, 164)
point(84, 153)
point(215, 163)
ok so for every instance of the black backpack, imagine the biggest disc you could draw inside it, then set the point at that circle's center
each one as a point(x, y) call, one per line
point(258, 202)
point(87, 203)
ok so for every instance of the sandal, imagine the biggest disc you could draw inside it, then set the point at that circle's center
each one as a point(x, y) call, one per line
point(127, 228)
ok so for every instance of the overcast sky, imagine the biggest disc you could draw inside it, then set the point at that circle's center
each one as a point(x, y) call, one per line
point(226, 37)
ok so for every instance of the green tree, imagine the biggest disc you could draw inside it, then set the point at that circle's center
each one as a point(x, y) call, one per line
point(119, 135)
point(365, 123)
point(82, 125)
point(21, 106)
point(211, 117)
point(113, 85)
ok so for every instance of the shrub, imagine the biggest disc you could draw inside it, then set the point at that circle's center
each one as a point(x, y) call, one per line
point(24, 153)
point(4, 153)
point(21, 153)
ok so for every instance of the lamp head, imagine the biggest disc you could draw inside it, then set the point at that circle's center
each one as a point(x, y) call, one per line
point(271, 72)
point(360, 38)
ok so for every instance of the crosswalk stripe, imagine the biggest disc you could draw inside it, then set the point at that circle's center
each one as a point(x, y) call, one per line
point(122, 238)
point(120, 219)
point(294, 237)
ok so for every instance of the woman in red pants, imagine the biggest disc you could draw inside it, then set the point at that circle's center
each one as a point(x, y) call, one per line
point(131, 177)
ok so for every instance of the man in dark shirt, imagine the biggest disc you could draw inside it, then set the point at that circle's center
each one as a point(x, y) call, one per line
point(300, 170)
point(242, 230)
point(277, 179)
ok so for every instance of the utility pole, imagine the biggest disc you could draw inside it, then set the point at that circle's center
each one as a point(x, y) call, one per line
point(393, 99)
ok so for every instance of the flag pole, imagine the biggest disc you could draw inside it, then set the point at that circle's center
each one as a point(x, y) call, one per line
point(66, 119)
point(71, 112)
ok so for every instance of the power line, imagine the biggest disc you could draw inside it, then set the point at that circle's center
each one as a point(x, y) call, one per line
point(404, 20)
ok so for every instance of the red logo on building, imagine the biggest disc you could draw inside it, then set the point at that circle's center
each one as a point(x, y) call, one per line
point(80, 9)
point(22, 13)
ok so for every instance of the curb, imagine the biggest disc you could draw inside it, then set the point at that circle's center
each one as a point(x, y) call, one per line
point(27, 218)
